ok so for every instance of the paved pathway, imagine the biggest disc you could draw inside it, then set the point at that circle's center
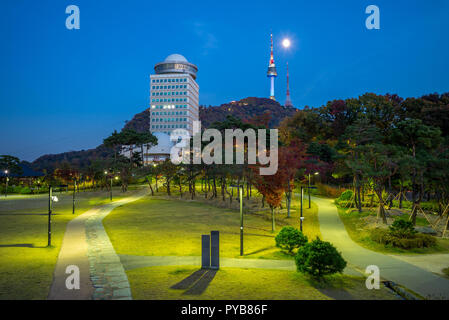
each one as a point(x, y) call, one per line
point(419, 280)
point(87, 246)
point(432, 262)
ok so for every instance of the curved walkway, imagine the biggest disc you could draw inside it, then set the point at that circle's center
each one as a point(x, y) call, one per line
point(391, 268)
point(87, 246)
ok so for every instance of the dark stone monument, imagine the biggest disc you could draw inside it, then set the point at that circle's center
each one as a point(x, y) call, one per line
point(215, 250)
point(205, 251)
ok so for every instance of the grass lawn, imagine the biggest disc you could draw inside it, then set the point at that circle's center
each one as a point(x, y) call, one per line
point(26, 264)
point(166, 227)
point(358, 232)
point(245, 284)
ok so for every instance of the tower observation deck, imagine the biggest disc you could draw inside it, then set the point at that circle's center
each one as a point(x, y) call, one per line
point(272, 73)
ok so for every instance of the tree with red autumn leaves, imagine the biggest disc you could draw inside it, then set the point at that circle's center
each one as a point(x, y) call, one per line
point(271, 187)
point(291, 159)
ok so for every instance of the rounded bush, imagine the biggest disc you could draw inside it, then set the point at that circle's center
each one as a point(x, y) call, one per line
point(290, 238)
point(346, 196)
point(319, 258)
point(402, 229)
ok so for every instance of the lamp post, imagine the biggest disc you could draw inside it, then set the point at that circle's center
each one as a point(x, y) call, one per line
point(50, 210)
point(301, 218)
point(74, 191)
point(7, 180)
point(316, 173)
point(301, 203)
point(110, 178)
point(240, 188)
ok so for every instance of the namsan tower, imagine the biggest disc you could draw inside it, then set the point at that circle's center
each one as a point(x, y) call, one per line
point(288, 101)
point(272, 73)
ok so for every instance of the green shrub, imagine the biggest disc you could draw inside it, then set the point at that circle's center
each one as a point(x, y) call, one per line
point(385, 237)
point(319, 258)
point(351, 204)
point(290, 238)
point(402, 229)
point(346, 196)
point(25, 190)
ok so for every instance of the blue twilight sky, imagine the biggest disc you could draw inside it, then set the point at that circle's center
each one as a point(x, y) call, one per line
point(63, 90)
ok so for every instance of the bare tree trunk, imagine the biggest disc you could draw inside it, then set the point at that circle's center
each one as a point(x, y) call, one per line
point(151, 187)
point(381, 211)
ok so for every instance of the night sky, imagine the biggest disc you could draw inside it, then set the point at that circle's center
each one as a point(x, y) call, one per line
point(63, 90)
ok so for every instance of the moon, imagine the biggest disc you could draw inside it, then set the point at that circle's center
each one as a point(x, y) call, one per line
point(286, 43)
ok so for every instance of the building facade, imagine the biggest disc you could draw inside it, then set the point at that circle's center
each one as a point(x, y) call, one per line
point(174, 95)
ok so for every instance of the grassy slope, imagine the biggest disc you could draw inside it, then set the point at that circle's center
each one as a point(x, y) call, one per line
point(155, 226)
point(357, 231)
point(27, 272)
point(243, 284)
point(171, 227)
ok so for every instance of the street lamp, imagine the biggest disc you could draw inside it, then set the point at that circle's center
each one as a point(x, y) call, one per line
point(74, 191)
point(240, 188)
point(301, 201)
point(7, 180)
point(301, 218)
point(51, 198)
point(316, 173)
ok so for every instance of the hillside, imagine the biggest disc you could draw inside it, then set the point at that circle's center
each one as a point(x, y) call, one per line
point(244, 109)
point(77, 159)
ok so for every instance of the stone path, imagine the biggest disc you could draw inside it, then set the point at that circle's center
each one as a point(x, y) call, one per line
point(87, 246)
point(391, 268)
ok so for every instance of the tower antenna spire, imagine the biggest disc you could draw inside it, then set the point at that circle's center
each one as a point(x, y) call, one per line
point(288, 101)
point(272, 73)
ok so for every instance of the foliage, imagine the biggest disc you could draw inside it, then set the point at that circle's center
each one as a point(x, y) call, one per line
point(290, 238)
point(328, 191)
point(417, 241)
point(402, 229)
point(319, 258)
point(345, 196)
point(11, 164)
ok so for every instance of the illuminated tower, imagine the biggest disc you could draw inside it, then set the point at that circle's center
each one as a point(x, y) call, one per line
point(288, 101)
point(272, 73)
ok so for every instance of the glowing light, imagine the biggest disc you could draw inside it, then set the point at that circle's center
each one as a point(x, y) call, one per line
point(286, 43)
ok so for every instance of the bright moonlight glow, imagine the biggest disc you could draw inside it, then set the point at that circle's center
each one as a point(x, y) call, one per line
point(286, 43)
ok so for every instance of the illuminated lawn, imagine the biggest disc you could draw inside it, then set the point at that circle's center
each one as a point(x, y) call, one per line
point(161, 227)
point(253, 284)
point(26, 264)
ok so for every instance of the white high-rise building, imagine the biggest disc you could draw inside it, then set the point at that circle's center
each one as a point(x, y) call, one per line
point(174, 95)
